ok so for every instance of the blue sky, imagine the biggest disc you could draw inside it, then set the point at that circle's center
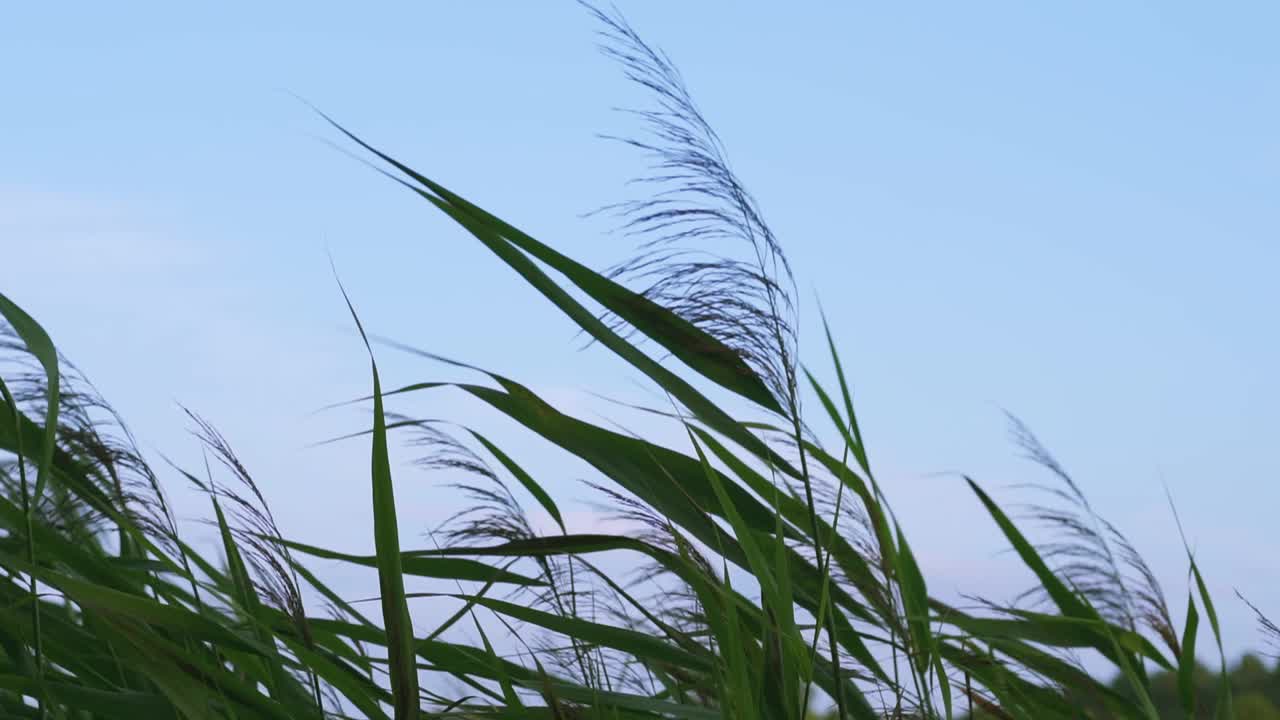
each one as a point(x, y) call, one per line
point(1066, 211)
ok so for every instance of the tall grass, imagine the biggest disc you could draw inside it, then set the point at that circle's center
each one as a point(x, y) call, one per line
point(776, 576)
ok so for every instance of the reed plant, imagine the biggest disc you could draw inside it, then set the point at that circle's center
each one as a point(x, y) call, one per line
point(776, 577)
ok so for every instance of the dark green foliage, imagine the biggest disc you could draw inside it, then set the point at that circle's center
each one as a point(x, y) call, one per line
point(1256, 687)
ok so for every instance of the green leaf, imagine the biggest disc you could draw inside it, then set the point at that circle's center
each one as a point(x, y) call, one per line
point(102, 703)
point(1187, 660)
point(636, 643)
point(915, 600)
point(523, 478)
point(42, 349)
point(386, 535)
point(697, 349)
point(1136, 681)
point(499, 669)
point(857, 447)
point(1224, 709)
point(415, 564)
point(142, 609)
point(1068, 602)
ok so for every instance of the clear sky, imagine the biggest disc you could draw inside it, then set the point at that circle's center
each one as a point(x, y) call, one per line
point(1066, 210)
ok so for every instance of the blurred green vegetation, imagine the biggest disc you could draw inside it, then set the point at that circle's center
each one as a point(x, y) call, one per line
point(1256, 689)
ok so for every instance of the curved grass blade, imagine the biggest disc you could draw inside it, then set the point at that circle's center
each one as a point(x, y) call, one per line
point(42, 349)
point(523, 477)
point(412, 563)
point(696, 348)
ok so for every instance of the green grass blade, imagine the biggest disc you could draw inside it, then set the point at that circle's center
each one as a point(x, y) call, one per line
point(386, 534)
point(1068, 602)
point(638, 644)
point(858, 448)
point(1225, 708)
point(1187, 660)
point(523, 477)
point(42, 349)
point(415, 564)
point(915, 601)
point(101, 703)
point(696, 348)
